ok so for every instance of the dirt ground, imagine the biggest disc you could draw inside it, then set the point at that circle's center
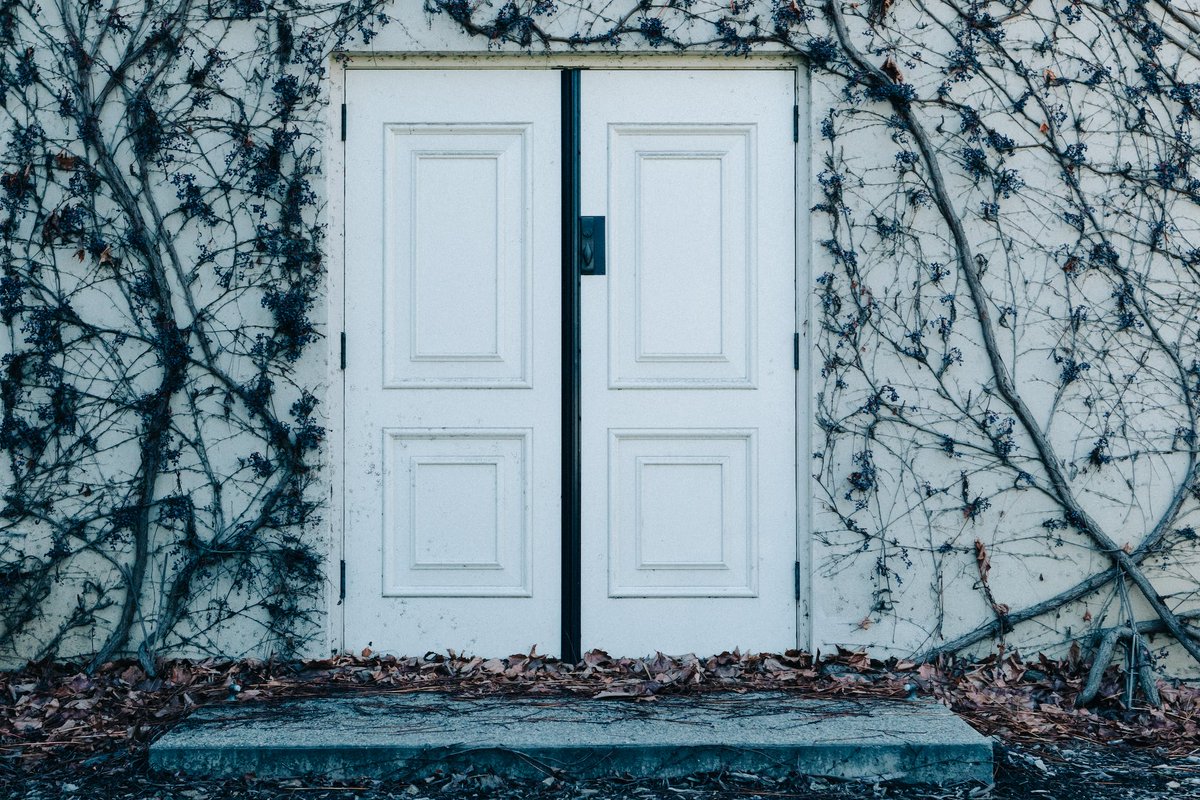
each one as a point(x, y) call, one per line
point(1023, 773)
point(65, 733)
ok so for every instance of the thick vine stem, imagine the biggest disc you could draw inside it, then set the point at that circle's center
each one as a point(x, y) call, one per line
point(968, 268)
point(158, 414)
point(1106, 642)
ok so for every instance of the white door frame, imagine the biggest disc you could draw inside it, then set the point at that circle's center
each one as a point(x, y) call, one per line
point(334, 152)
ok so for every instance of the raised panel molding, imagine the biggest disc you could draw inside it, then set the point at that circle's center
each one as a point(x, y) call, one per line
point(456, 513)
point(682, 238)
point(683, 518)
point(457, 256)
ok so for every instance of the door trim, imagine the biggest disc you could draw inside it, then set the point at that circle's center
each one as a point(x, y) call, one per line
point(805, 258)
point(334, 528)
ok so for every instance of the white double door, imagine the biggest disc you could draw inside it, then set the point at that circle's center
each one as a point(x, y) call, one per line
point(453, 451)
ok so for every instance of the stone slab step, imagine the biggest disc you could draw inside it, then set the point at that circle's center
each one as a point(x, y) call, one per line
point(408, 736)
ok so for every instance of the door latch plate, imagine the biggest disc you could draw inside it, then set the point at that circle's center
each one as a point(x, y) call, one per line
point(591, 245)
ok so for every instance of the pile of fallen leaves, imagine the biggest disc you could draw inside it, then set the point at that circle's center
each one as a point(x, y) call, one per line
point(47, 709)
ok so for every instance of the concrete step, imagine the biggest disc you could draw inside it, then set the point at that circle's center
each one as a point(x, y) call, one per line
point(408, 736)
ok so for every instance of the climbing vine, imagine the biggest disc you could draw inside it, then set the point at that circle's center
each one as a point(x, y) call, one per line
point(160, 259)
point(1005, 309)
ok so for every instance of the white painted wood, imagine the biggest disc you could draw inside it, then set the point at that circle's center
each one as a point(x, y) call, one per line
point(681, 217)
point(457, 310)
point(452, 388)
point(683, 522)
point(805, 417)
point(688, 388)
point(584, 59)
point(333, 408)
point(456, 513)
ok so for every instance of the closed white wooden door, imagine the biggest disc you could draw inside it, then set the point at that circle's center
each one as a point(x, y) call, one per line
point(452, 382)
point(688, 386)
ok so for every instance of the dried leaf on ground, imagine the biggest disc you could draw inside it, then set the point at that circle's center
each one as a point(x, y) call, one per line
point(47, 708)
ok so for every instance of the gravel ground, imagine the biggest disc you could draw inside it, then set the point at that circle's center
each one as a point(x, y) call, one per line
point(1049, 772)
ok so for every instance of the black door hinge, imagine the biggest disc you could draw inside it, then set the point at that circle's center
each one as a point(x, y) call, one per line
point(796, 580)
point(342, 580)
point(342, 351)
point(796, 351)
point(795, 122)
point(343, 122)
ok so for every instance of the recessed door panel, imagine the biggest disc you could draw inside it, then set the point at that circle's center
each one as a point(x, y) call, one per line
point(457, 261)
point(681, 513)
point(681, 218)
point(456, 516)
